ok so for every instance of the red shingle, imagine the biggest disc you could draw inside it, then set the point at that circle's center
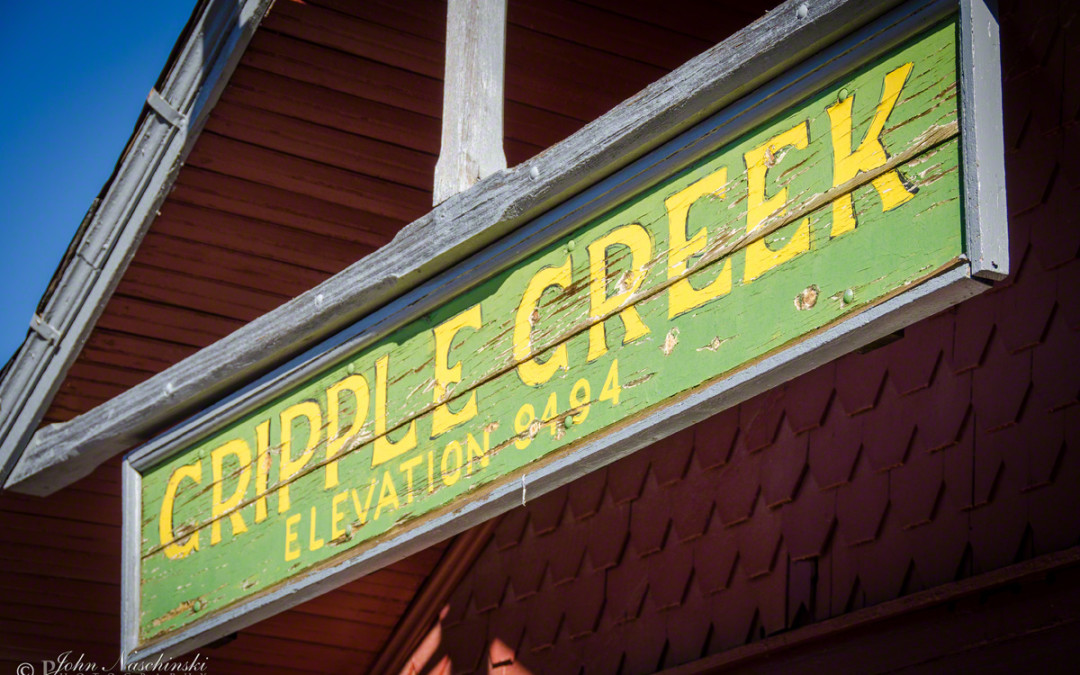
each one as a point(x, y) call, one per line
point(458, 604)
point(887, 434)
point(670, 461)
point(834, 448)
point(999, 388)
point(692, 509)
point(586, 493)
point(542, 622)
point(607, 534)
point(807, 397)
point(737, 485)
point(916, 488)
point(1053, 384)
point(802, 588)
point(759, 541)
point(770, 593)
point(940, 412)
point(734, 613)
point(602, 653)
point(627, 586)
point(649, 519)
point(807, 522)
point(1055, 228)
point(759, 419)
point(959, 468)
point(1055, 513)
point(526, 565)
point(1033, 170)
point(974, 325)
point(567, 550)
point(938, 547)
point(861, 505)
point(859, 378)
point(627, 476)
point(714, 438)
point(883, 567)
point(998, 527)
point(686, 630)
point(914, 359)
point(715, 555)
point(669, 576)
point(1068, 296)
point(1041, 440)
point(546, 511)
point(506, 626)
point(1071, 138)
point(783, 466)
point(583, 599)
point(645, 643)
point(465, 642)
point(511, 527)
point(489, 582)
point(1024, 310)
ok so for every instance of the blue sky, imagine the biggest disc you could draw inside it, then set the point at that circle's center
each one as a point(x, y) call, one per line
point(73, 80)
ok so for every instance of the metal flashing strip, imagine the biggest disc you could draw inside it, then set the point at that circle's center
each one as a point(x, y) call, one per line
point(462, 225)
point(165, 109)
point(213, 42)
point(984, 142)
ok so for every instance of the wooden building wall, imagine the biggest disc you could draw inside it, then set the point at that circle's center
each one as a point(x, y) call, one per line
point(915, 507)
point(322, 147)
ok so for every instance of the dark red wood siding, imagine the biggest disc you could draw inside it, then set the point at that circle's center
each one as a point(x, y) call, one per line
point(949, 454)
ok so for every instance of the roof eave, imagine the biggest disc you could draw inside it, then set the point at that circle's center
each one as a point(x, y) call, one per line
point(202, 61)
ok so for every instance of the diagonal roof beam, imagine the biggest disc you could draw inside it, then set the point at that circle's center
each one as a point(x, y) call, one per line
point(202, 61)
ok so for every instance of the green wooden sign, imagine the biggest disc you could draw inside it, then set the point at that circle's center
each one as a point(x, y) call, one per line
point(819, 214)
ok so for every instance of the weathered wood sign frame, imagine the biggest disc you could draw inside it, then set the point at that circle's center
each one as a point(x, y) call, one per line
point(852, 195)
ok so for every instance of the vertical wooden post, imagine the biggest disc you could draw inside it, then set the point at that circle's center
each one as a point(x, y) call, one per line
point(472, 132)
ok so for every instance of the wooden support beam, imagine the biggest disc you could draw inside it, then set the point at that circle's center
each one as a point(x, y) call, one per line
point(472, 132)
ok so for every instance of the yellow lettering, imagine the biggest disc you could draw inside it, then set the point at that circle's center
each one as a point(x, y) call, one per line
point(335, 440)
point(579, 400)
point(451, 477)
point(523, 422)
point(361, 512)
point(682, 297)
point(531, 371)
point(551, 410)
point(387, 497)
point(407, 469)
point(173, 550)
point(292, 552)
point(442, 418)
point(759, 257)
point(384, 449)
point(337, 515)
point(611, 388)
point(869, 156)
point(476, 452)
point(314, 544)
point(636, 238)
point(239, 449)
point(262, 468)
point(309, 412)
